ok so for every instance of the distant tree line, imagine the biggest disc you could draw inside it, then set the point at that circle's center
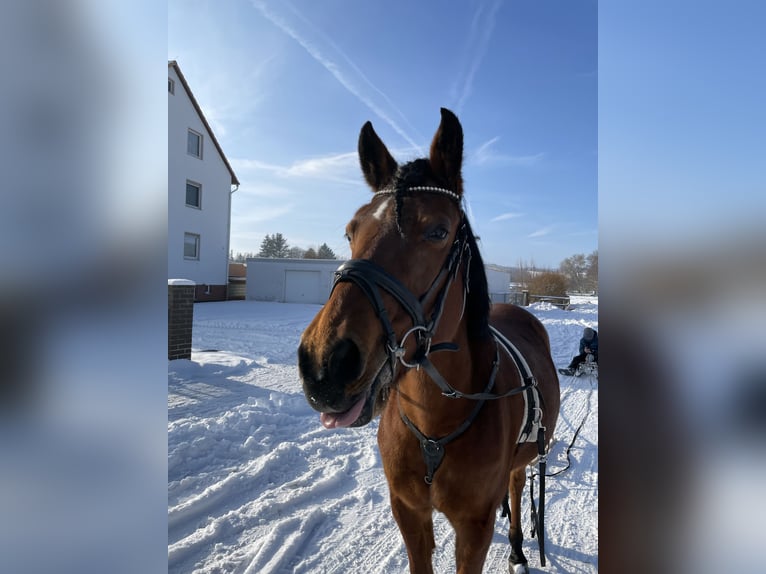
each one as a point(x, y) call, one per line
point(578, 274)
point(276, 247)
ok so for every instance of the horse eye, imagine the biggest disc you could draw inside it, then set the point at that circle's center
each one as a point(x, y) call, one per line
point(438, 234)
point(347, 236)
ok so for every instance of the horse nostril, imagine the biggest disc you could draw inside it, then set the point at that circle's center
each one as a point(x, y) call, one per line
point(305, 363)
point(324, 382)
point(345, 363)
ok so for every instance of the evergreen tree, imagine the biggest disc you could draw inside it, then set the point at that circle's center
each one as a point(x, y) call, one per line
point(310, 253)
point(325, 252)
point(274, 246)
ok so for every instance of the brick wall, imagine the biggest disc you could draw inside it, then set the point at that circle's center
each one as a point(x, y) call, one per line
point(210, 293)
point(180, 317)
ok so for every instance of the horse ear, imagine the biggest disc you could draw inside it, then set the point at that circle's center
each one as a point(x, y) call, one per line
point(377, 164)
point(447, 151)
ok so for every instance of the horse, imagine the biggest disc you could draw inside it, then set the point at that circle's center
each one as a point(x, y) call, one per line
point(466, 391)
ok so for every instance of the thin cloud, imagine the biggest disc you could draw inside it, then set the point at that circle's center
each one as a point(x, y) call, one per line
point(505, 216)
point(342, 168)
point(483, 149)
point(255, 165)
point(332, 66)
point(541, 232)
point(486, 155)
point(318, 167)
point(262, 189)
point(263, 213)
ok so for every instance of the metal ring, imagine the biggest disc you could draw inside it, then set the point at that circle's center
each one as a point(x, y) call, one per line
point(400, 350)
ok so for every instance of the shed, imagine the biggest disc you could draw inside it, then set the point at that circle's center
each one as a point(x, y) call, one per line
point(498, 282)
point(290, 280)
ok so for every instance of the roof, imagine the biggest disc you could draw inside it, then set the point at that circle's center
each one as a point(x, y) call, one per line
point(174, 64)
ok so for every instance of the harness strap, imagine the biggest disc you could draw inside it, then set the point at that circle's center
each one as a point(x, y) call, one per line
point(433, 449)
point(538, 517)
point(518, 359)
point(543, 458)
point(530, 383)
point(365, 273)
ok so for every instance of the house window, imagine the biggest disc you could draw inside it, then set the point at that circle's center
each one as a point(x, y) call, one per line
point(194, 144)
point(171, 86)
point(193, 194)
point(191, 246)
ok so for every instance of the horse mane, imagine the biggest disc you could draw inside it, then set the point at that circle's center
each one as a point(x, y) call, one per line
point(477, 303)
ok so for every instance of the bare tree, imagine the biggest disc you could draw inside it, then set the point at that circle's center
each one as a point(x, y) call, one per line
point(548, 283)
point(592, 273)
point(575, 269)
point(296, 253)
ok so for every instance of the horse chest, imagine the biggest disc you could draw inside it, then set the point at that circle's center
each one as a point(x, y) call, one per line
point(478, 456)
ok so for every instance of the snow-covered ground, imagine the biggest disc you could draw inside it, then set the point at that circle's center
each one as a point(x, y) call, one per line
point(256, 485)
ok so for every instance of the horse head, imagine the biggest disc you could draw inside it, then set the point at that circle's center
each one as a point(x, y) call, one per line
point(413, 258)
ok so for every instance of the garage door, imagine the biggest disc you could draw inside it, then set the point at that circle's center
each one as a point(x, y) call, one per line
point(303, 287)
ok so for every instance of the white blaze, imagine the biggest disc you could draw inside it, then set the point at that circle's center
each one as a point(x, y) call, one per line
point(381, 209)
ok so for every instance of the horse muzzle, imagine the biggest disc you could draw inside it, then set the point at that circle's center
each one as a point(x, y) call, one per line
point(332, 385)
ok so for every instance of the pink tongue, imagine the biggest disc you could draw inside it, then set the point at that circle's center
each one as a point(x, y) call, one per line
point(339, 420)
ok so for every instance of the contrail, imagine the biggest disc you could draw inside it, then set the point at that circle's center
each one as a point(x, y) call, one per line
point(484, 33)
point(335, 70)
point(353, 66)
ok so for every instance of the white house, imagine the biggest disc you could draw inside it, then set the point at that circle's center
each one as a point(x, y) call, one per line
point(200, 185)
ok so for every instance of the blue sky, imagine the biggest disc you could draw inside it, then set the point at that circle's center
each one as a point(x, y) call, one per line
point(287, 86)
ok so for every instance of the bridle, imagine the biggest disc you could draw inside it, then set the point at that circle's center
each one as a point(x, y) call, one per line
point(371, 278)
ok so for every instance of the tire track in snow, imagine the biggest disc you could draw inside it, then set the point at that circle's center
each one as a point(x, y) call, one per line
point(295, 479)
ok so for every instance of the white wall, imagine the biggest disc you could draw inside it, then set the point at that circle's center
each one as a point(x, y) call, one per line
point(498, 281)
point(211, 222)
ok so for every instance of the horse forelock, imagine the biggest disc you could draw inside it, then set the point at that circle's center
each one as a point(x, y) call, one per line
point(411, 175)
point(408, 175)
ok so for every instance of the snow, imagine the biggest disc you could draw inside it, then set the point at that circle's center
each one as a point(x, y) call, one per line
point(181, 282)
point(257, 485)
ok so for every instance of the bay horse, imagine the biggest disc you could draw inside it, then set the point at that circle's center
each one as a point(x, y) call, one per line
point(467, 391)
